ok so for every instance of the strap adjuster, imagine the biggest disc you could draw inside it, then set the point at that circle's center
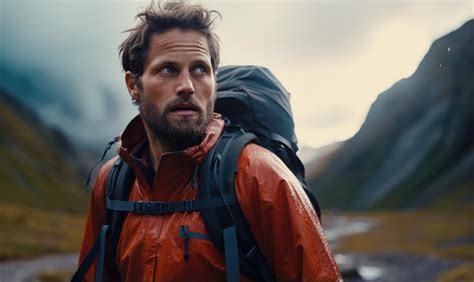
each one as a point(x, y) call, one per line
point(255, 257)
point(142, 207)
point(188, 205)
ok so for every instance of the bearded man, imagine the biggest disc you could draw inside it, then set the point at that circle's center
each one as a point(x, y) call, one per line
point(170, 60)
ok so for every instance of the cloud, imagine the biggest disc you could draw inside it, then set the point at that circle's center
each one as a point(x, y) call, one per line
point(326, 53)
point(330, 116)
point(297, 31)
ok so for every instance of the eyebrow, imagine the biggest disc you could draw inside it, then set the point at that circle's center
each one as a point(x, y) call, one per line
point(201, 61)
point(158, 63)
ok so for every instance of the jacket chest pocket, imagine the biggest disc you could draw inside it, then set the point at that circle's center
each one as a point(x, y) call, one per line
point(188, 236)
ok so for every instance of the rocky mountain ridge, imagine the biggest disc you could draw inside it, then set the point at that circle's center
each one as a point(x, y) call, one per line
point(416, 146)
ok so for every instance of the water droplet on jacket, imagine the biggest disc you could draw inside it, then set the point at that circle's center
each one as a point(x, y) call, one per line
point(440, 65)
point(449, 49)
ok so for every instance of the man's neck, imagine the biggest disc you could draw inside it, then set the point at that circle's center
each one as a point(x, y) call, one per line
point(156, 148)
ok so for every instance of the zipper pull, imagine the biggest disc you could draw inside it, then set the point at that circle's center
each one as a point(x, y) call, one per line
point(185, 234)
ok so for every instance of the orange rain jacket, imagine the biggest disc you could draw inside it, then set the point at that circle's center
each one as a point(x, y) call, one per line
point(150, 248)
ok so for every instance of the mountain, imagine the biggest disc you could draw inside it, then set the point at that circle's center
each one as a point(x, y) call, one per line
point(39, 167)
point(89, 112)
point(416, 146)
point(316, 159)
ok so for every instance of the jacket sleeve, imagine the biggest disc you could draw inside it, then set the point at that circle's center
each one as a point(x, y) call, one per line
point(95, 220)
point(282, 219)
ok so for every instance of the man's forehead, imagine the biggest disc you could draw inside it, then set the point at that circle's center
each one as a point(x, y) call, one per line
point(177, 40)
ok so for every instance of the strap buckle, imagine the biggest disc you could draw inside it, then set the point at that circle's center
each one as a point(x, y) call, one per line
point(142, 207)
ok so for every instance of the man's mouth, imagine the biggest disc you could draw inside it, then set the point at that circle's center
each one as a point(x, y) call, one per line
point(184, 109)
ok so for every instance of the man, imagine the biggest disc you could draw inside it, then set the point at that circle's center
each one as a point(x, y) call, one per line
point(170, 60)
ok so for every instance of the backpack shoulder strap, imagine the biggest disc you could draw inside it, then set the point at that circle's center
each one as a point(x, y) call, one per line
point(216, 177)
point(117, 186)
point(119, 182)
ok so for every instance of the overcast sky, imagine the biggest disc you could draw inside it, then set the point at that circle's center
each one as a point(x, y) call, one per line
point(335, 57)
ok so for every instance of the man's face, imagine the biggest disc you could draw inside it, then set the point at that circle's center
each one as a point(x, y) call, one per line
point(177, 88)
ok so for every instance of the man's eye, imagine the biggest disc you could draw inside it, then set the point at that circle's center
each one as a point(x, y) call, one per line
point(168, 69)
point(200, 69)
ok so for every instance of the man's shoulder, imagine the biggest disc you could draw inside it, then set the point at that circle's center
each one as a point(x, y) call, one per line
point(107, 166)
point(257, 154)
point(256, 159)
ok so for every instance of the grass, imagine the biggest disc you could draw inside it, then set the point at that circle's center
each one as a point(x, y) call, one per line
point(30, 232)
point(460, 274)
point(444, 233)
point(54, 276)
point(424, 232)
point(458, 198)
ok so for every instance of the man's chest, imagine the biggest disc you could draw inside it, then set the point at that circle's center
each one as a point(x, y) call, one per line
point(168, 247)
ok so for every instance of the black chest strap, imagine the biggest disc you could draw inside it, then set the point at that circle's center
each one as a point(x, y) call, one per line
point(159, 208)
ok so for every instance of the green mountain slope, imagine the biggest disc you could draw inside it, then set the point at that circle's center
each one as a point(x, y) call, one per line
point(33, 169)
point(43, 200)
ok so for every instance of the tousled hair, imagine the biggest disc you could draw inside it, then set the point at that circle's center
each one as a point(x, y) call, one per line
point(161, 18)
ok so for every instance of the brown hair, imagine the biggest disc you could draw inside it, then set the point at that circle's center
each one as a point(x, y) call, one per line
point(161, 18)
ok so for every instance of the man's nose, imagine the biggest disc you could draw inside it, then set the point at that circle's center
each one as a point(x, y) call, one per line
point(185, 84)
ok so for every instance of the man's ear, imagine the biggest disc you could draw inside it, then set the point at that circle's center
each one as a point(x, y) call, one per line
point(132, 86)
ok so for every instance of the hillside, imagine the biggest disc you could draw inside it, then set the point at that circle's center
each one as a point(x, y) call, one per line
point(36, 168)
point(416, 147)
point(43, 196)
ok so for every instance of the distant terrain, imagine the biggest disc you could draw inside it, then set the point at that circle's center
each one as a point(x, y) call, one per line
point(416, 147)
point(40, 167)
point(41, 180)
point(410, 171)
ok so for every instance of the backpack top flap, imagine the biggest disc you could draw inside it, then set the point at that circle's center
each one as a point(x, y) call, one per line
point(252, 97)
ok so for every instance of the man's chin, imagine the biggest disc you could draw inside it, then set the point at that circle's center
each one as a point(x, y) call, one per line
point(183, 137)
point(176, 119)
point(185, 121)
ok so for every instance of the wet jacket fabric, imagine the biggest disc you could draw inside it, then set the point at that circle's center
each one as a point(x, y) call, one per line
point(151, 247)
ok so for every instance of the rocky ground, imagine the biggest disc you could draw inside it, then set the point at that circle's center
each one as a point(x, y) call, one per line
point(385, 267)
point(27, 270)
point(390, 267)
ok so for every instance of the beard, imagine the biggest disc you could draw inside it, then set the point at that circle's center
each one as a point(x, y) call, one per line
point(183, 132)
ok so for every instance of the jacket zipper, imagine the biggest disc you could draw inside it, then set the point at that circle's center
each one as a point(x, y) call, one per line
point(186, 235)
point(155, 261)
